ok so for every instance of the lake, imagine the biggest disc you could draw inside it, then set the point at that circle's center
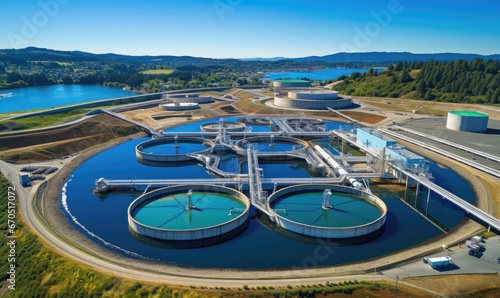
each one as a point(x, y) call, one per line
point(324, 74)
point(45, 97)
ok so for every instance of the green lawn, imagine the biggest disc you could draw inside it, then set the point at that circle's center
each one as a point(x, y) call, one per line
point(157, 71)
point(42, 121)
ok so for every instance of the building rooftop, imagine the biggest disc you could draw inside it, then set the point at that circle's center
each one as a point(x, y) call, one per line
point(374, 133)
point(402, 151)
point(466, 113)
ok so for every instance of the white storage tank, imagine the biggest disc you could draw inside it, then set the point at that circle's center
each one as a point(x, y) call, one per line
point(470, 121)
point(291, 83)
point(313, 94)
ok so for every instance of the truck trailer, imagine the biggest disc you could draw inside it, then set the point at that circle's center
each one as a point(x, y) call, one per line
point(438, 262)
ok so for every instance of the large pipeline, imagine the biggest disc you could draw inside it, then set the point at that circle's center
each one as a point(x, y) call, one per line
point(331, 161)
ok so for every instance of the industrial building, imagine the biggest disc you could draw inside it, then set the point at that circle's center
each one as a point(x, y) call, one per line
point(373, 140)
point(469, 121)
point(378, 142)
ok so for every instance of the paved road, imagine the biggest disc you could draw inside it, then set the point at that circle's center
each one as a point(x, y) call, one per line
point(463, 263)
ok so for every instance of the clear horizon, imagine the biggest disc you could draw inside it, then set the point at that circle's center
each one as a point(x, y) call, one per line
point(251, 29)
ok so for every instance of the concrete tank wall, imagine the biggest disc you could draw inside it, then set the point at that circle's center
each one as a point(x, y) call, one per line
point(331, 232)
point(154, 157)
point(189, 234)
point(313, 95)
point(196, 98)
point(291, 84)
point(228, 126)
point(339, 103)
point(467, 123)
point(240, 147)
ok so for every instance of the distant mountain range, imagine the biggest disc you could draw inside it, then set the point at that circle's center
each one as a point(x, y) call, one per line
point(41, 54)
point(391, 57)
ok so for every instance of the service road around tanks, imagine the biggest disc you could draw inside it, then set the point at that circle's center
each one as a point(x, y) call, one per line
point(463, 263)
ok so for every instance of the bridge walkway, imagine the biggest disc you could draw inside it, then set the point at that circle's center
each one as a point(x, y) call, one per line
point(466, 206)
point(453, 156)
point(455, 145)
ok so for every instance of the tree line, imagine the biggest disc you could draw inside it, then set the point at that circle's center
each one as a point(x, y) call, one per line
point(476, 81)
point(39, 67)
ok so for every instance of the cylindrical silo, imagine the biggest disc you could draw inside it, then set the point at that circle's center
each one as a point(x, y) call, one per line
point(470, 121)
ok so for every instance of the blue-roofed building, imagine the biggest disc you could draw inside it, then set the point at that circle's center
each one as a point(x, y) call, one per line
point(373, 140)
point(395, 152)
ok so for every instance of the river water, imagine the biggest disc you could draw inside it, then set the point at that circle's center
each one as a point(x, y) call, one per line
point(324, 74)
point(45, 97)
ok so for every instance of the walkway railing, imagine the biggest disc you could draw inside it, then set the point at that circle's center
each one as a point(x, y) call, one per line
point(455, 145)
point(466, 206)
point(453, 156)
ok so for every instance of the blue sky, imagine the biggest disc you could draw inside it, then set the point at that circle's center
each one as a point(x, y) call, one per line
point(245, 28)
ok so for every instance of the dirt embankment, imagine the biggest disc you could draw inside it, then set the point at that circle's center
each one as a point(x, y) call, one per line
point(63, 141)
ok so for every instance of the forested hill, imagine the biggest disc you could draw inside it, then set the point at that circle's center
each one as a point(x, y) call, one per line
point(476, 81)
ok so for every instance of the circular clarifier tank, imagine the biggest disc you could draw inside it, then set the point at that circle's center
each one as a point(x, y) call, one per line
point(329, 211)
point(272, 144)
point(228, 126)
point(189, 215)
point(172, 149)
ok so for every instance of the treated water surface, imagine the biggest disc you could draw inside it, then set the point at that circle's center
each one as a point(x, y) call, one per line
point(346, 210)
point(170, 212)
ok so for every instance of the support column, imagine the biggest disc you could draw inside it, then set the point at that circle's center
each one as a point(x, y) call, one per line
point(189, 202)
point(326, 199)
point(428, 197)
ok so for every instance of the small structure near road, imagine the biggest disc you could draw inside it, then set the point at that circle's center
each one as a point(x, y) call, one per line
point(438, 262)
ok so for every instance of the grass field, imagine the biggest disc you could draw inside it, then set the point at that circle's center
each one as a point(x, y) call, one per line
point(58, 62)
point(405, 105)
point(157, 71)
point(41, 121)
